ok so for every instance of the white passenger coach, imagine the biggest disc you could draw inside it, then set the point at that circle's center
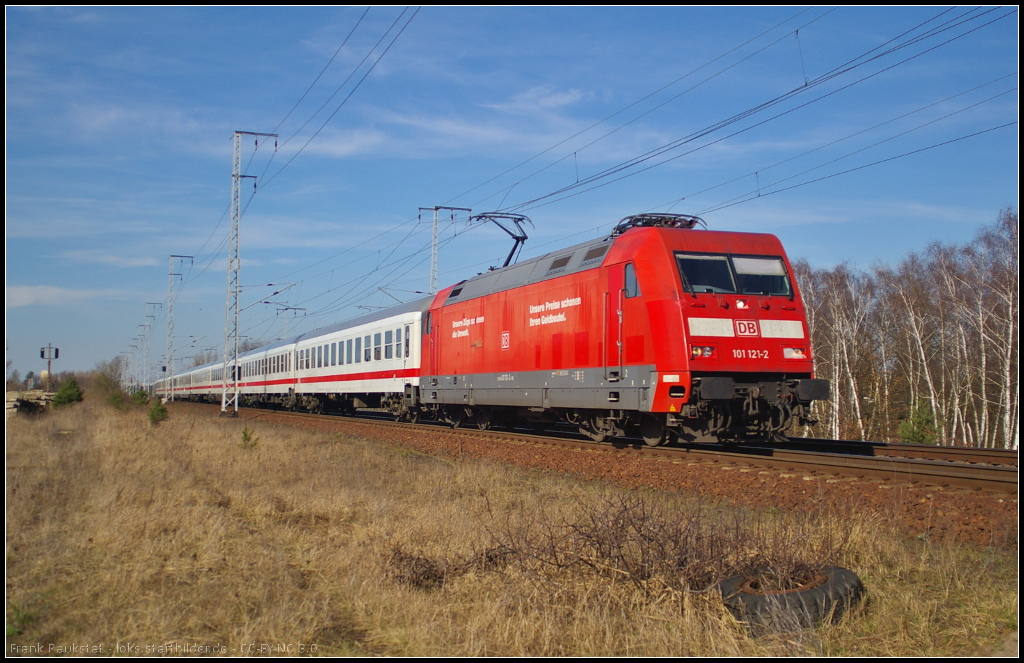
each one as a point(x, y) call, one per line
point(372, 361)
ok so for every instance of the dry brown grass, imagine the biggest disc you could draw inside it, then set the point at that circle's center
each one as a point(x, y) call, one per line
point(118, 531)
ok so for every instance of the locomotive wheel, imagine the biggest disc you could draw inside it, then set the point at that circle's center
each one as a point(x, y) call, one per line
point(592, 430)
point(482, 418)
point(455, 417)
point(818, 595)
point(652, 429)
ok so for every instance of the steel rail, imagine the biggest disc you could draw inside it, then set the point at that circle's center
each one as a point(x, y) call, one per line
point(996, 478)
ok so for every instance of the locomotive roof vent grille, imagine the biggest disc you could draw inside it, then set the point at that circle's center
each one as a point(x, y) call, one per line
point(594, 254)
point(558, 265)
point(683, 221)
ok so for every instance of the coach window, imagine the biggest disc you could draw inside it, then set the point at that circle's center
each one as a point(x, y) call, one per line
point(407, 341)
point(398, 343)
point(387, 345)
point(631, 286)
point(348, 351)
point(359, 352)
point(376, 347)
point(366, 348)
point(308, 359)
point(334, 354)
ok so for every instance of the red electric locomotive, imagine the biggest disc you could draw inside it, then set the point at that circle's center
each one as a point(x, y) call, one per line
point(686, 334)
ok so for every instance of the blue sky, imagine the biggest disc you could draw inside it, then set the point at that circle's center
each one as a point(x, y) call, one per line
point(120, 124)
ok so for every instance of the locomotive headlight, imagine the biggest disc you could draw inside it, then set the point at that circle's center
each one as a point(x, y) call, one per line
point(794, 353)
point(741, 303)
point(702, 351)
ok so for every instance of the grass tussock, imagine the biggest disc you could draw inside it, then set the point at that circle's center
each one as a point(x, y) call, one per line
point(120, 531)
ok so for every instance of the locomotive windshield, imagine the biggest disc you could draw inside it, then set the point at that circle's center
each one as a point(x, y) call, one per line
point(748, 275)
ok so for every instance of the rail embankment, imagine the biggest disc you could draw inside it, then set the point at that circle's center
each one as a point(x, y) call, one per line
point(237, 536)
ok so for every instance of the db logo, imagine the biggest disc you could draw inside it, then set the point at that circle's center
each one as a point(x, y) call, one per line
point(504, 340)
point(746, 328)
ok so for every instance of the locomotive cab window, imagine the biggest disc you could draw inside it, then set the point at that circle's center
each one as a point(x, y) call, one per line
point(748, 275)
point(705, 273)
point(758, 275)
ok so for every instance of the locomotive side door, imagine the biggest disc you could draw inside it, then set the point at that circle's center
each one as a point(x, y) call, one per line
point(613, 297)
point(435, 347)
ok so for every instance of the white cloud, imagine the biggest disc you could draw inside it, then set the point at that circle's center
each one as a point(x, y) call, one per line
point(45, 295)
point(342, 144)
point(541, 100)
point(109, 259)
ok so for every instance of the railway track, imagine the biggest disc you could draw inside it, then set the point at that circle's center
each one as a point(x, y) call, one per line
point(976, 469)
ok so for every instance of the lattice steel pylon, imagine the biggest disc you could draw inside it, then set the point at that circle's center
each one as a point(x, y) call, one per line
point(229, 394)
point(147, 329)
point(433, 241)
point(169, 376)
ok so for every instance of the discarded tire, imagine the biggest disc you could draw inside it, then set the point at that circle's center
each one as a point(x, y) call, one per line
point(814, 595)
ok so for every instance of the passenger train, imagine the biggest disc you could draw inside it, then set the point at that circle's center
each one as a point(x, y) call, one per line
point(661, 329)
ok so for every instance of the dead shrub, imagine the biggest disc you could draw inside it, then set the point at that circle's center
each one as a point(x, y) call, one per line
point(654, 545)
